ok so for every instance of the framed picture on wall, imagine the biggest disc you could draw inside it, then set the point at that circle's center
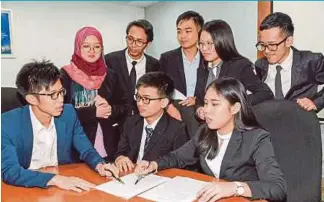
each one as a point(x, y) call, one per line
point(6, 34)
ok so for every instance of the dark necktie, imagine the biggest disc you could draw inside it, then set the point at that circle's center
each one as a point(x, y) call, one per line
point(149, 133)
point(132, 77)
point(278, 85)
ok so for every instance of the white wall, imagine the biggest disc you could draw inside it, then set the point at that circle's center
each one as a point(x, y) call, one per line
point(308, 18)
point(47, 30)
point(241, 16)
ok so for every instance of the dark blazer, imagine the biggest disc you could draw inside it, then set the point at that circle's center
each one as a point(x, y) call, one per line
point(117, 62)
point(17, 146)
point(249, 158)
point(87, 115)
point(168, 135)
point(242, 69)
point(306, 74)
point(171, 63)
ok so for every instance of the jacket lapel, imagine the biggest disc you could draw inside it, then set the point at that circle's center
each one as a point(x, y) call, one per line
point(136, 135)
point(60, 127)
point(124, 68)
point(158, 133)
point(178, 63)
point(27, 136)
point(233, 145)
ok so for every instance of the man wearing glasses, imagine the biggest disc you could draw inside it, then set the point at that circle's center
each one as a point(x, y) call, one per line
point(44, 133)
point(291, 74)
point(132, 63)
point(151, 133)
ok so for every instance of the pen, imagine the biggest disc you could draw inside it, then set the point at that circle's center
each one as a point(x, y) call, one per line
point(114, 176)
point(142, 176)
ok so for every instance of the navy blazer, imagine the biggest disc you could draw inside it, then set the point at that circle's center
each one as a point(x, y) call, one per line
point(249, 158)
point(17, 146)
point(307, 73)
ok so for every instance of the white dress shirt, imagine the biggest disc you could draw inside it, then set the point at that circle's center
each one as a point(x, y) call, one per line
point(140, 66)
point(215, 163)
point(44, 144)
point(285, 74)
point(141, 151)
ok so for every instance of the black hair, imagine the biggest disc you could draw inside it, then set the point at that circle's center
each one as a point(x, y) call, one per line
point(196, 17)
point(223, 39)
point(234, 92)
point(278, 19)
point(146, 25)
point(159, 80)
point(35, 76)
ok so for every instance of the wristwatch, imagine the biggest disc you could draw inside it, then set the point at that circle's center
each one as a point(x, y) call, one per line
point(239, 189)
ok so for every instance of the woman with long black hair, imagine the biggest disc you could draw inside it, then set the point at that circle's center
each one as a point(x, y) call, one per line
point(230, 146)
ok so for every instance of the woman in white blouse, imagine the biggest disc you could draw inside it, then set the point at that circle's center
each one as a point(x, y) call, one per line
point(230, 146)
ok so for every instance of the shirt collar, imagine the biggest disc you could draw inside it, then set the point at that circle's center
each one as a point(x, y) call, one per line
point(154, 123)
point(287, 63)
point(226, 136)
point(37, 125)
point(130, 60)
point(197, 56)
point(210, 64)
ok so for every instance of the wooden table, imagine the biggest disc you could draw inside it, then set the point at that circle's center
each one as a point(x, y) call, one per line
point(53, 194)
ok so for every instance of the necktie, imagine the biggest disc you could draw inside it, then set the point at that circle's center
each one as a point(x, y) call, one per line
point(132, 76)
point(149, 133)
point(211, 75)
point(278, 85)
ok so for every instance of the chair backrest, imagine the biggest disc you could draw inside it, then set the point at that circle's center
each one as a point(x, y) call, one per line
point(10, 99)
point(296, 139)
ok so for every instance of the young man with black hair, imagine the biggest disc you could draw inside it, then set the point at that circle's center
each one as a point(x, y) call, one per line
point(151, 133)
point(44, 133)
point(290, 73)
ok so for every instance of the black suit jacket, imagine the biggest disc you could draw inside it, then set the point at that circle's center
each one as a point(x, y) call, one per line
point(242, 69)
point(87, 115)
point(171, 63)
point(306, 74)
point(249, 158)
point(117, 61)
point(168, 135)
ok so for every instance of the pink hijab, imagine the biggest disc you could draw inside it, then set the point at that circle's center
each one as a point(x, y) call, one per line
point(89, 75)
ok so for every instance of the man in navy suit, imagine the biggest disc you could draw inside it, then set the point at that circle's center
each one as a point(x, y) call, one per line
point(290, 73)
point(42, 134)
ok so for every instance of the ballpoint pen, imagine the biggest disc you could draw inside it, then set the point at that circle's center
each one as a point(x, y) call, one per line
point(114, 176)
point(142, 176)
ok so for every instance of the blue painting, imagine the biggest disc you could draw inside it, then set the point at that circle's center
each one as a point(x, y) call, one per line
point(6, 35)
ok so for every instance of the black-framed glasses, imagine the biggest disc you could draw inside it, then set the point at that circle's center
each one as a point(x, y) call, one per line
point(87, 48)
point(131, 40)
point(208, 45)
point(145, 100)
point(271, 47)
point(53, 95)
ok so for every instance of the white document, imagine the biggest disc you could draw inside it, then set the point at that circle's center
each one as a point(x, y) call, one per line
point(179, 189)
point(177, 95)
point(129, 189)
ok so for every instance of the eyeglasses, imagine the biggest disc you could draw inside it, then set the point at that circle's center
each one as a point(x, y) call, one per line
point(87, 48)
point(145, 100)
point(53, 95)
point(271, 47)
point(208, 45)
point(131, 40)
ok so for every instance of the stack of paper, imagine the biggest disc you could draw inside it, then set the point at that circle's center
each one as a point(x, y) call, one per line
point(179, 189)
point(129, 189)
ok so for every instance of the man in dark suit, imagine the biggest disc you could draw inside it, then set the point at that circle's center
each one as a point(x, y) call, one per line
point(42, 134)
point(291, 74)
point(131, 63)
point(185, 65)
point(152, 133)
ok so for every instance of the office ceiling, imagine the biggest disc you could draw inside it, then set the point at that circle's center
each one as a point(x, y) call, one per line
point(142, 4)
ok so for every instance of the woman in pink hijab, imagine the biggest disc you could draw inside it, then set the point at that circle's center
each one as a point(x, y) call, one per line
point(90, 88)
